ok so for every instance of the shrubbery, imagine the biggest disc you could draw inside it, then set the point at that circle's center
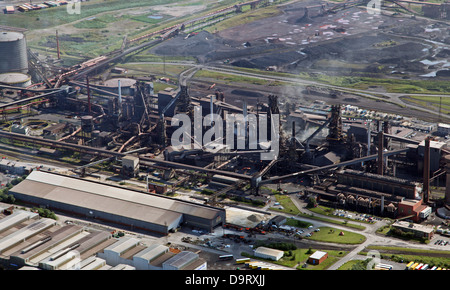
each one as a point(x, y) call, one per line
point(44, 212)
point(279, 246)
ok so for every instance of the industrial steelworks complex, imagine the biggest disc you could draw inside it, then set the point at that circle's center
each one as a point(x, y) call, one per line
point(105, 133)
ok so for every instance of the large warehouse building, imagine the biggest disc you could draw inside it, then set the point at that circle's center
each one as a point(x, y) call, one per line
point(113, 204)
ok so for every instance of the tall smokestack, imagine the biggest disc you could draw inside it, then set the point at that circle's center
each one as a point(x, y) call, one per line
point(245, 113)
point(369, 138)
point(57, 44)
point(211, 109)
point(293, 129)
point(120, 96)
point(426, 171)
point(380, 153)
point(447, 184)
point(88, 94)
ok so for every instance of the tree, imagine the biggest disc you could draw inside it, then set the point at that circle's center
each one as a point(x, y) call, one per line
point(361, 265)
point(312, 202)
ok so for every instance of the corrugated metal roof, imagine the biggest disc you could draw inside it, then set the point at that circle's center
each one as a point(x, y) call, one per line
point(181, 260)
point(97, 203)
point(25, 232)
point(103, 190)
point(122, 245)
point(151, 252)
point(15, 218)
point(268, 251)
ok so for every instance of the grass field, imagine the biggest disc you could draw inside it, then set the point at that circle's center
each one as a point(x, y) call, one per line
point(397, 254)
point(331, 235)
point(58, 15)
point(244, 18)
point(348, 265)
point(290, 208)
point(297, 223)
point(300, 256)
point(230, 79)
point(431, 102)
point(296, 259)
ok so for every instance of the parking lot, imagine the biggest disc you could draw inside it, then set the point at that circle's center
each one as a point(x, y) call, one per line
point(441, 241)
point(5, 179)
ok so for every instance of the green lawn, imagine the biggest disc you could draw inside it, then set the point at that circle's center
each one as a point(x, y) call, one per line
point(302, 255)
point(58, 15)
point(287, 204)
point(230, 78)
point(349, 265)
point(333, 257)
point(246, 17)
point(297, 223)
point(331, 235)
point(290, 208)
point(297, 258)
point(432, 257)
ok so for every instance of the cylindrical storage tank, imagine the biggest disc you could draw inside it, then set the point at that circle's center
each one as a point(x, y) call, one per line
point(87, 124)
point(13, 52)
point(126, 86)
point(15, 79)
point(95, 133)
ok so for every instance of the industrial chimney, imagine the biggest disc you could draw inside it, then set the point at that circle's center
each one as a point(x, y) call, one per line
point(426, 170)
point(447, 185)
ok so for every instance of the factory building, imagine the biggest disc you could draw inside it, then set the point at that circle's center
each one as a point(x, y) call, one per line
point(414, 210)
point(380, 183)
point(371, 193)
point(420, 231)
point(164, 98)
point(15, 167)
point(317, 257)
point(115, 253)
point(185, 261)
point(16, 128)
point(112, 204)
point(30, 242)
point(151, 258)
point(130, 165)
point(443, 129)
point(268, 253)
point(129, 251)
point(435, 154)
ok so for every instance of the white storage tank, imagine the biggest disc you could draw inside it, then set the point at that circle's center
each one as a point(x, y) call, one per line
point(13, 52)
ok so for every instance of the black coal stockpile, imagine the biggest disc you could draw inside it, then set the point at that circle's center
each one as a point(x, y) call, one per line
point(197, 45)
point(443, 73)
